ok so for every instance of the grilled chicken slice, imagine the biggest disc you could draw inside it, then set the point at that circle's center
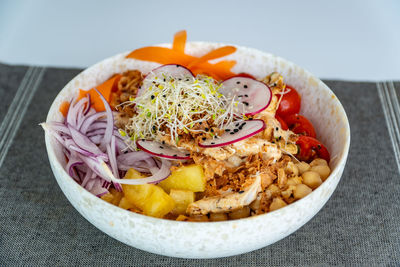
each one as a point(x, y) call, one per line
point(229, 201)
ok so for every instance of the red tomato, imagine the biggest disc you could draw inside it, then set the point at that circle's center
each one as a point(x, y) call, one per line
point(282, 122)
point(300, 125)
point(311, 148)
point(290, 103)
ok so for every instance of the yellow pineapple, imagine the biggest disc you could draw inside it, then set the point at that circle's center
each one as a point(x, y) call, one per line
point(125, 204)
point(150, 198)
point(182, 199)
point(190, 177)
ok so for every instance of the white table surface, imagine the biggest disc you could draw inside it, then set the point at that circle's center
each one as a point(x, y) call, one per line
point(350, 40)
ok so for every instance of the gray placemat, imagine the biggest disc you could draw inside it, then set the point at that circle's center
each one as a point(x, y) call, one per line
point(358, 226)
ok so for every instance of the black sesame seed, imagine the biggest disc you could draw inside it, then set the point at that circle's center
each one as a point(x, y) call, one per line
point(177, 66)
point(245, 86)
point(203, 138)
point(163, 142)
point(187, 79)
point(152, 97)
point(238, 82)
point(212, 143)
point(179, 105)
point(175, 155)
point(241, 192)
point(227, 130)
point(245, 103)
point(232, 133)
point(200, 122)
point(164, 80)
point(206, 129)
point(161, 147)
point(188, 154)
point(143, 140)
point(319, 146)
point(154, 128)
point(276, 129)
point(212, 130)
point(237, 124)
point(164, 96)
point(236, 130)
point(179, 79)
point(250, 119)
point(246, 95)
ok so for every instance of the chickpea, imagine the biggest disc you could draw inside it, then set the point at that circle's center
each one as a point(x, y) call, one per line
point(292, 169)
point(301, 191)
point(240, 213)
point(323, 171)
point(303, 167)
point(318, 161)
point(295, 180)
point(277, 203)
point(311, 179)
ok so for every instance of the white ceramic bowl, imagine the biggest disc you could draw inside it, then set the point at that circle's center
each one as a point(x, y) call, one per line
point(210, 239)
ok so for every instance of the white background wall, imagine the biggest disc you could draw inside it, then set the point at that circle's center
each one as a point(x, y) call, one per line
point(352, 40)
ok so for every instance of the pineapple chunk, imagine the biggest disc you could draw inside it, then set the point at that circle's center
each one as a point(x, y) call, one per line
point(189, 178)
point(113, 197)
point(125, 204)
point(150, 198)
point(182, 199)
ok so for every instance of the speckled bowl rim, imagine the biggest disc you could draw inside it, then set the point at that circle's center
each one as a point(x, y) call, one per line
point(232, 224)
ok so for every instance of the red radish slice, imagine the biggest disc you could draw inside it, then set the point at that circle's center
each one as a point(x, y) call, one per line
point(162, 150)
point(235, 132)
point(166, 72)
point(253, 96)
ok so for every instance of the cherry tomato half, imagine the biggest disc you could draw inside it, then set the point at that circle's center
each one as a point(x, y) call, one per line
point(311, 148)
point(300, 125)
point(282, 122)
point(290, 103)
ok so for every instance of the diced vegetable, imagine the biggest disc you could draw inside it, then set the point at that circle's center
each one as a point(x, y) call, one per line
point(151, 199)
point(114, 197)
point(105, 89)
point(64, 107)
point(176, 55)
point(126, 204)
point(182, 199)
point(189, 177)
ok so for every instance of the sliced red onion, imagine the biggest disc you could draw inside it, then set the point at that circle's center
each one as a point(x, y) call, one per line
point(113, 161)
point(98, 189)
point(84, 142)
point(132, 157)
point(72, 116)
point(110, 121)
point(88, 106)
point(89, 120)
point(162, 174)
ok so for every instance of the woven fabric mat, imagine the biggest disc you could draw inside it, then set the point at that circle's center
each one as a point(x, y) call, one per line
point(360, 224)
